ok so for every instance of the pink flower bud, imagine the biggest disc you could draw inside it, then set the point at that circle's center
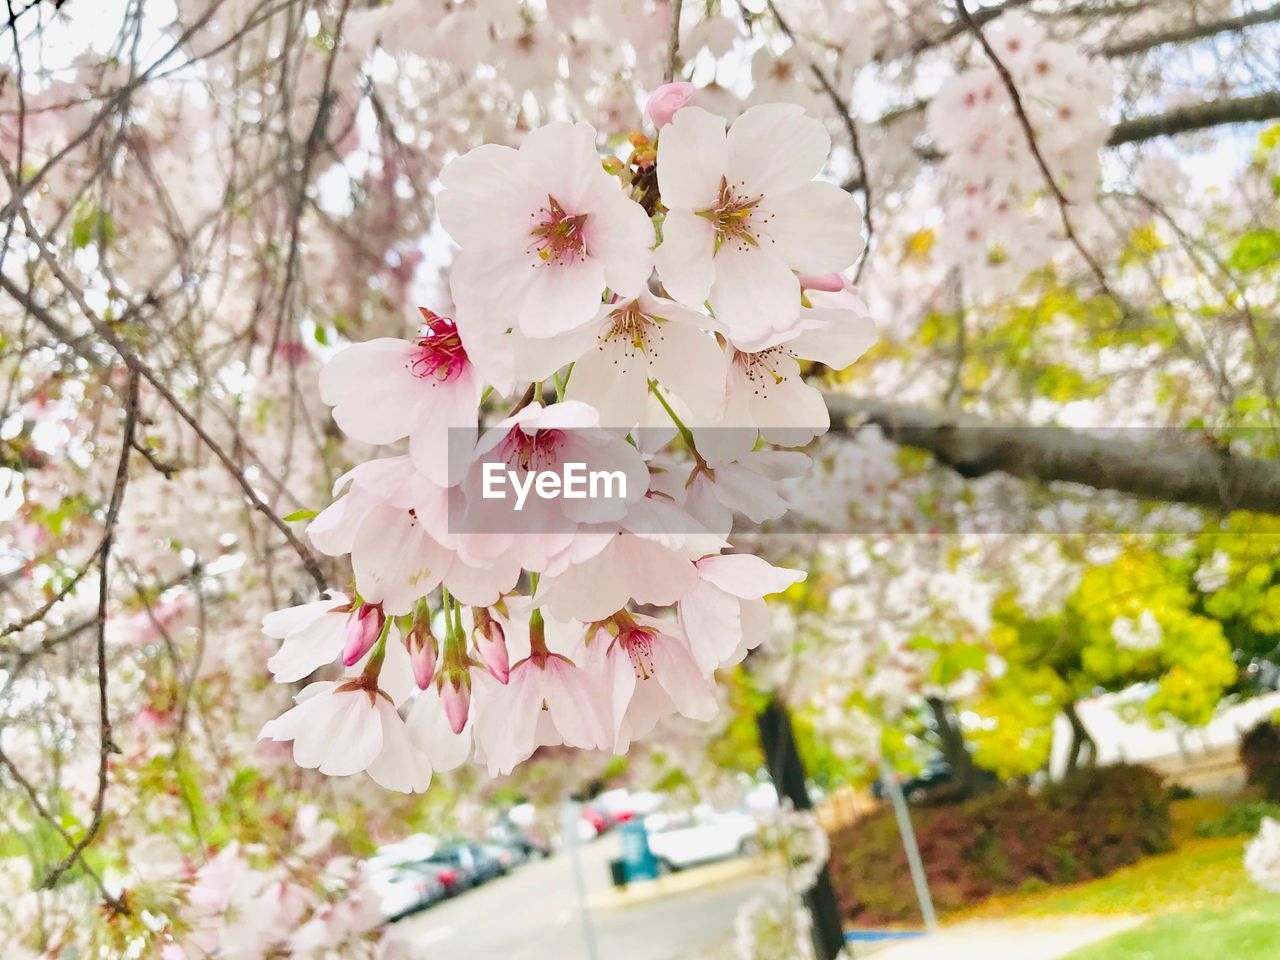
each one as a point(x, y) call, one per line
point(363, 631)
point(455, 697)
point(666, 100)
point(827, 282)
point(491, 644)
point(422, 655)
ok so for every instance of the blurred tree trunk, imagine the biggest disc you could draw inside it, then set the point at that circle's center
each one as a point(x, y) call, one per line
point(1084, 749)
point(967, 778)
point(782, 759)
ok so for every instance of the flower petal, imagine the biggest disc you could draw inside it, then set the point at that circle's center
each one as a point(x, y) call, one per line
point(754, 293)
point(685, 256)
point(400, 764)
point(560, 296)
point(374, 394)
point(773, 148)
point(816, 227)
point(692, 157)
point(613, 377)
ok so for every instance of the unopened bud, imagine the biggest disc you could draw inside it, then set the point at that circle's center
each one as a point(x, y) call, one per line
point(363, 631)
point(613, 166)
point(666, 100)
point(491, 645)
point(455, 697)
point(421, 644)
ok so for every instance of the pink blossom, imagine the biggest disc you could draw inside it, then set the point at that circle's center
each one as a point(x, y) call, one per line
point(666, 100)
point(549, 700)
point(653, 673)
point(344, 728)
point(724, 616)
point(543, 231)
point(385, 389)
point(491, 643)
point(363, 631)
point(422, 647)
point(828, 282)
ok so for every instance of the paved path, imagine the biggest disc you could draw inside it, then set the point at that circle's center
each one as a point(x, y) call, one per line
point(532, 915)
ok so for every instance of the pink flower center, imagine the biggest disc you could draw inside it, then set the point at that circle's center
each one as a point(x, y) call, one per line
point(558, 237)
point(732, 216)
point(639, 647)
point(440, 355)
point(532, 452)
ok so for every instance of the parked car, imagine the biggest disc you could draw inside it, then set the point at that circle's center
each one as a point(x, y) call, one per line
point(473, 864)
point(680, 840)
point(520, 842)
point(935, 773)
point(599, 820)
point(450, 878)
point(508, 857)
point(403, 890)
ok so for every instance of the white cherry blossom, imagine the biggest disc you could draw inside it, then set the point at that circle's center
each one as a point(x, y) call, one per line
point(543, 230)
point(744, 213)
point(647, 338)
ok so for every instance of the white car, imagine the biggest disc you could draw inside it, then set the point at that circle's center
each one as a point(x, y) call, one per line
point(680, 840)
point(403, 890)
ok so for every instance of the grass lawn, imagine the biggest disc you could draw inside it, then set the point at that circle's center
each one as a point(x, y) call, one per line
point(1200, 874)
point(1201, 903)
point(1249, 930)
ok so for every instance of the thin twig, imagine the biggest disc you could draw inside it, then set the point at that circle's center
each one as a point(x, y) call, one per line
point(315, 139)
point(56, 822)
point(673, 41)
point(1024, 121)
point(134, 362)
point(107, 746)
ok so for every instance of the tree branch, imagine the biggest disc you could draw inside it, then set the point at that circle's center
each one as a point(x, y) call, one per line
point(1191, 32)
point(1196, 473)
point(1197, 116)
point(106, 746)
point(134, 362)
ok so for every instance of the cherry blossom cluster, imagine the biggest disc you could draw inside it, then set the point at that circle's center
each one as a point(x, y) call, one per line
point(235, 908)
point(485, 645)
point(245, 900)
point(997, 206)
point(1262, 856)
point(776, 925)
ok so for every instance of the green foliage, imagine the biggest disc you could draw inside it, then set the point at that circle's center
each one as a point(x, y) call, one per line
point(1015, 838)
point(92, 225)
point(1256, 249)
point(1244, 591)
point(1191, 663)
point(1053, 660)
point(1242, 820)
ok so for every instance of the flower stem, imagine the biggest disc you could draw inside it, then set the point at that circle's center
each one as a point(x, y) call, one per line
point(685, 433)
